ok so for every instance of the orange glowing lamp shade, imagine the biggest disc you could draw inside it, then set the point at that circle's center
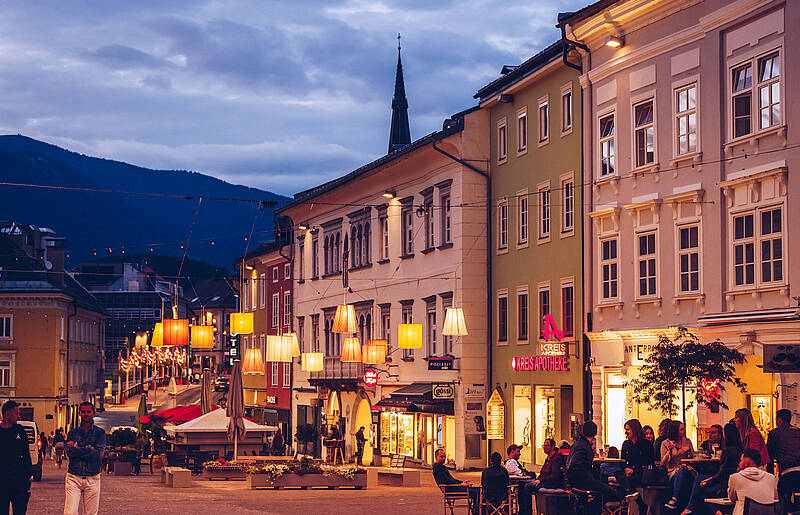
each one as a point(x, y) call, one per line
point(279, 349)
point(293, 343)
point(312, 362)
point(253, 364)
point(345, 320)
point(176, 332)
point(241, 323)
point(454, 324)
point(202, 337)
point(351, 350)
point(158, 335)
point(374, 352)
point(409, 336)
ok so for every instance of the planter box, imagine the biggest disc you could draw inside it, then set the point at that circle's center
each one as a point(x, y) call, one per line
point(289, 480)
point(225, 475)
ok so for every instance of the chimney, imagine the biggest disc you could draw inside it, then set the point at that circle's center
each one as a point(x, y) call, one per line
point(54, 253)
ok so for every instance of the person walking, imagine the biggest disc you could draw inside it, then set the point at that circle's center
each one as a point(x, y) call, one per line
point(50, 444)
point(15, 462)
point(43, 446)
point(85, 446)
point(360, 442)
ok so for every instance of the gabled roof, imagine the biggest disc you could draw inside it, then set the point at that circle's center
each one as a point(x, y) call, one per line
point(518, 73)
point(213, 293)
point(585, 12)
point(217, 422)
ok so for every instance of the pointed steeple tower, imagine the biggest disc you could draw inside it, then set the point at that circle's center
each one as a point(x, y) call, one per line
point(400, 134)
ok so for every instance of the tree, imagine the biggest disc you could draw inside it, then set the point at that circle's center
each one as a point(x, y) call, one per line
point(684, 362)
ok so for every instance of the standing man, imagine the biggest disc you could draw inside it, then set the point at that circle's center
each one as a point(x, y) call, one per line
point(783, 444)
point(85, 445)
point(360, 441)
point(16, 469)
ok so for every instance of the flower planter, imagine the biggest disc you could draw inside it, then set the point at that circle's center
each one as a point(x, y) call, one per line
point(290, 480)
point(226, 474)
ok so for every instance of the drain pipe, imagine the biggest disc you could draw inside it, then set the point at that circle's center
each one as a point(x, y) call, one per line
point(66, 369)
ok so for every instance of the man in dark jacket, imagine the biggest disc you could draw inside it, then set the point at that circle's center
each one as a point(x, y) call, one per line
point(85, 446)
point(550, 476)
point(448, 483)
point(494, 480)
point(361, 440)
point(15, 462)
point(783, 444)
point(579, 465)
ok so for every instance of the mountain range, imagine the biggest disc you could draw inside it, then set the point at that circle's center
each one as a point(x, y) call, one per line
point(112, 222)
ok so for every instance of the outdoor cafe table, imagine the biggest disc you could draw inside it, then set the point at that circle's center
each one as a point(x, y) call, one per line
point(598, 461)
point(703, 465)
point(722, 504)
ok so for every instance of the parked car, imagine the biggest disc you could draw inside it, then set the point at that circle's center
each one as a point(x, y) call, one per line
point(34, 445)
point(221, 384)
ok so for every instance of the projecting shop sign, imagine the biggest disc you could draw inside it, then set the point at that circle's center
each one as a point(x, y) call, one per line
point(444, 391)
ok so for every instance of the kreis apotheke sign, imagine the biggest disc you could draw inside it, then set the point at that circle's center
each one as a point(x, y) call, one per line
point(533, 363)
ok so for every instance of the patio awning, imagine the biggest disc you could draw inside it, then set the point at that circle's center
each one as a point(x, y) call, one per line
point(415, 390)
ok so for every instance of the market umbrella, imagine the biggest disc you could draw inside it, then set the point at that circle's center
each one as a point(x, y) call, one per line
point(235, 408)
point(141, 412)
point(205, 392)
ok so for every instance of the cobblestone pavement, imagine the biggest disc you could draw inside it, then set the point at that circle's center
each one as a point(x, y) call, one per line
point(145, 494)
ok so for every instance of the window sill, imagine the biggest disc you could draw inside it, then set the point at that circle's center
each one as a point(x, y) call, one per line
point(503, 160)
point(566, 132)
point(445, 246)
point(522, 151)
point(567, 234)
point(502, 343)
point(332, 274)
point(543, 239)
point(647, 300)
point(543, 142)
point(407, 256)
point(613, 180)
point(642, 170)
point(360, 267)
point(407, 359)
point(522, 244)
point(755, 291)
point(315, 278)
point(754, 139)
point(523, 342)
point(428, 250)
point(608, 304)
point(503, 250)
point(301, 281)
point(383, 261)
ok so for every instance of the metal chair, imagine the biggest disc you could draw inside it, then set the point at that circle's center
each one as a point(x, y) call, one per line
point(507, 506)
point(453, 494)
point(752, 507)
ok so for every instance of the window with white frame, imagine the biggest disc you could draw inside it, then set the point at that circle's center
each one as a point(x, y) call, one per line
point(408, 318)
point(301, 260)
point(544, 212)
point(544, 120)
point(769, 91)
point(502, 225)
point(287, 375)
point(689, 258)
point(287, 271)
point(771, 240)
point(447, 341)
point(5, 326)
point(383, 222)
point(276, 307)
point(275, 274)
point(274, 374)
point(566, 109)
point(744, 261)
point(522, 314)
point(5, 373)
point(408, 229)
point(315, 333)
point(253, 292)
point(686, 119)
point(522, 221)
point(446, 220)
point(433, 344)
point(568, 204)
point(609, 269)
point(502, 317)
point(647, 264)
point(607, 152)
point(262, 287)
point(502, 140)
point(522, 130)
point(429, 223)
point(386, 328)
point(314, 257)
point(287, 308)
point(568, 308)
point(742, 99)
point(644, 134)
point(544, 307)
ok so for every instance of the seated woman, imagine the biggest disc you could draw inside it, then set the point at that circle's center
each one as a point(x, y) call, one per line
point(637, 453)
point(494, 480)
point(714, 486)
point(675, 448)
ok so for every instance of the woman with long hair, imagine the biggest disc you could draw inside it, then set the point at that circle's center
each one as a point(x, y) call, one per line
point(709, 486)
point(648, 434)
point(750, 435)
point(675, 448)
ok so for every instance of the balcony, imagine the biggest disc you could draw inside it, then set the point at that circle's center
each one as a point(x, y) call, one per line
point(337, 373)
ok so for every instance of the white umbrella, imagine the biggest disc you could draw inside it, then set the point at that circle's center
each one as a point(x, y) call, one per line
point(235, 408)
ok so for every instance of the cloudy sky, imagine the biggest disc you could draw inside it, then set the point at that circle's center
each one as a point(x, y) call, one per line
point(278, 95)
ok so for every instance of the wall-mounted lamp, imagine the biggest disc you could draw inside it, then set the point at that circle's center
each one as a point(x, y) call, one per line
point(389, 194)
point(302, 227)
point(249, 267)
point(615, 41)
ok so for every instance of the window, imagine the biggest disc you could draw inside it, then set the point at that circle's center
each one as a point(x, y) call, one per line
point(566, 109)
point(743, 250)
point(502, 140)
point(433, 348)
point(568, 309)
point(287, 308)
point(253, 291)
point(607, 153)
point(315, 257)
point(742, 87)
point(384, 224)
point(644, 133)
point(769, 91)
point(686, 119)
point(522, 130)
point(315, 333)
point(544, 212)
point(274, 374)
point(567, 205)
point(287, 375)
point(287, 271)
point(522, 222)
point(522, 315)
point(502, 225)
point(447, 341)
point(408, 318)
point(5, 373)
point(301, 259)
point(608, 268)
point(408, 230)
point(429, 224)
point(544, 121)
point(771, 246)
point(276, 307)
point(446, 220)
point(275, 275)
point(502, 317)
point(544, 307)
point(689, 258)
point(301, 333)
point(262, 287)
point(386, 327)
point(5, 326)
point(647, 264)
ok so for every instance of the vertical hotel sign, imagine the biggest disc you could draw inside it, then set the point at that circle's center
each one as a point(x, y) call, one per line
point(495, 417)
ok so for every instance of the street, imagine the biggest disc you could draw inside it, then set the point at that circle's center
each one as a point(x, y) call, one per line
point(146, 494)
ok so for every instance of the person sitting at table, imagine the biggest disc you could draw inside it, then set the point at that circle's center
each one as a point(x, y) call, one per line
point(674, 449)
point(713, 442)
point(637, 453)
point(751, 481)
point(751, 436)
point(579, 465)
point(663, 428)
point(494, 480)
point(512, 463)
point(550, 475)
point(706, 485)
point(443, 478)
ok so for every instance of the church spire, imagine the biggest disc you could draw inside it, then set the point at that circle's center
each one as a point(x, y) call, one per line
point(400, 134)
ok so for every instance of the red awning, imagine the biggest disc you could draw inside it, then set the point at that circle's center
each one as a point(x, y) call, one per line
point(176, 415)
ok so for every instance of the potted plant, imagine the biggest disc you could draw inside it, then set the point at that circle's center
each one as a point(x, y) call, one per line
point(307, 435)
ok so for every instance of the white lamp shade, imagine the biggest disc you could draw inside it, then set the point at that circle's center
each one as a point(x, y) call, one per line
point(351, 350)
point(345, 320)
point(312, 362)
point(454, 324)
point(278, 349)
point(294, 345)
point(253, 363)
point(409, 336)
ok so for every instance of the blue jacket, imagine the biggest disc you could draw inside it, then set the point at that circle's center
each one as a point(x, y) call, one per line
point(85, 456)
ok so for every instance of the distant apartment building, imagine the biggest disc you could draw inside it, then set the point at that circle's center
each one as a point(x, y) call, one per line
point(689, 150)
point(51, 330)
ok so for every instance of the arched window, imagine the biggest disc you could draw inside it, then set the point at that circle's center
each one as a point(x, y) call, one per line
point(352, 246)
point(327, 337)
point(337, 252)
point(325, 253)
point(368, 323)
point(361, 328)
point(359, 246)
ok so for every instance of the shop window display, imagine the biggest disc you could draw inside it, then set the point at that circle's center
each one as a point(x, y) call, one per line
point(545, 423)
point(523, 421)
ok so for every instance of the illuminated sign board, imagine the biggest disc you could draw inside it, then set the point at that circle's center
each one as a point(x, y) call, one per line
point(534, 363)
point(495, 417)
point(553, 349)
point(271, 399)
point(370, 377)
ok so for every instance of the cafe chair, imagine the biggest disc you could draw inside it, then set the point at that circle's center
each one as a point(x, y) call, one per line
point(507, 506)
point(752, 507)
point(453, 495)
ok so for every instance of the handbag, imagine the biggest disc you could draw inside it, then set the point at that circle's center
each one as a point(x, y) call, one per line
point(654, 475)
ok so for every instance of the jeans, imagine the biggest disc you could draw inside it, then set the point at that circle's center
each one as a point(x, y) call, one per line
point(701, 493)
point(86, 488)
point(18, 500)
point(788, 483)
point(681, 485)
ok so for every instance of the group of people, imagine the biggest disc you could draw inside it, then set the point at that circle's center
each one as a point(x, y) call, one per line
point(48, 445)
point(84, 445)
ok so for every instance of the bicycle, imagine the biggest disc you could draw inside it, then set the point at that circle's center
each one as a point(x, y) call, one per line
point(59, 453)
